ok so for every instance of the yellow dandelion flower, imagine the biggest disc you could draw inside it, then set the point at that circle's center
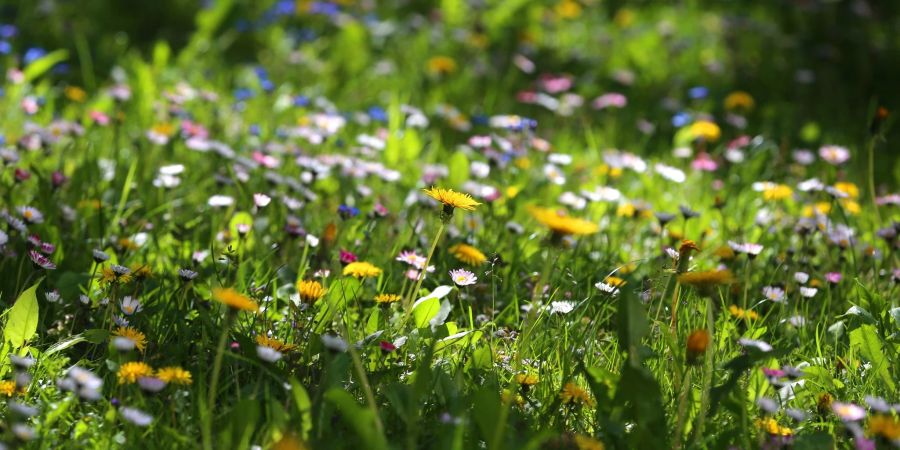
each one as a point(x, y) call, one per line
point(234, 299)
point(848, 188)
point(526, 379)
point(741, 313)
point(574, 394)
point(851, 206)
point(165, 129)
point(174, 375)
point(127, 244)
point(705, 130)
point(706, 279)
point(772, 427)
point(777, 192)
point(387, 298)
point(624, 17)
point(108, 275)
point(310, 290)
point(452, 199)
point(508, 397)
point(523, 163)
point(140, 271)
point(131, 371)
point(140, 341)
point(626, 210)
point(822, 208)
point(697, 343)
point(739, 100)
point(884, 426)
point(274, 344)
point(563, 225)
point(567, 9)
point(290, 442)
point(724, 252)
point(627, 268)
point(7, 388)
point(468, 254)
point(614, 281)
point(361, 269)
point(76, 94)
point(441, 65)
point(588, 443)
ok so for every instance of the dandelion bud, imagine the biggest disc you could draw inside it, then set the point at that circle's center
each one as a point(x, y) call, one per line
point(696, 345)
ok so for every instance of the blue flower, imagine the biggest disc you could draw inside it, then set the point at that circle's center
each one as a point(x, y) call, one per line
point(7, 31)
point(32, 54)
point(301, 101)
point(242, 94)
point(347, 212)
point(698, 92)
point(681, 119)
point(284, 7)
point(378, 113)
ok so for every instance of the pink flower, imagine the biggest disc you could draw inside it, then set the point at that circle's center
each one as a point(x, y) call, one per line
point(463, 277)
point(554, 84)
point(848, 412)
point(347, 257)
point(267, 161)
point(261, 200)
point(833, 277)
point(739, 142)
point(100, 118)
point(526, 97)
point(610, 100)
point(704, 162)
point(41, 261)
point(834, 154)
point(387, 347)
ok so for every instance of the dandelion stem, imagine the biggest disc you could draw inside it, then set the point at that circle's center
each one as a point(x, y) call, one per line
point(213, 385)
point(872, 194)
point(682, 409)
point(415, 291)
point(707, 374)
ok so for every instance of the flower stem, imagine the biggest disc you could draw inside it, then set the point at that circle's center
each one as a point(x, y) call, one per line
point(872, 194)
point(415, 291)
point(211, 395)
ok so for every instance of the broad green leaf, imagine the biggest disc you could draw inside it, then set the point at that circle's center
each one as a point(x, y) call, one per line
point(395, 119)
point(426, 310)
point(458, 170)
point(96, 335)
point(638, 392)
point(632, 323)
point(486, 412)
point(41, 65)
point(458, 340)
point(372, 323)
point(412, 144)
point(362, 420)
point(62, 345)
point(22, 319)
point(303, 406)
point(865, 341)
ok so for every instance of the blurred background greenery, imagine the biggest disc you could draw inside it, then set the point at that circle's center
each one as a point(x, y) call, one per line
point(816, 68)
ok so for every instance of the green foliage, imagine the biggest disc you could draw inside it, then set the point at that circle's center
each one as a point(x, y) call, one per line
point(22, 318)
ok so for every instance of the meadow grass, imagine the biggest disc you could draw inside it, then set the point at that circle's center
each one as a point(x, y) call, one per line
point(400, 230)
